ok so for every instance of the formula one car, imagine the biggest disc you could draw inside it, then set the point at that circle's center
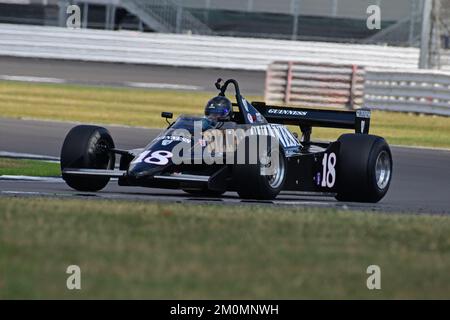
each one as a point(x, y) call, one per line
point(357, 167)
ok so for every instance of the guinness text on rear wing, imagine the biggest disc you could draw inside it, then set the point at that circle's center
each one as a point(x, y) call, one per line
point(359, 120)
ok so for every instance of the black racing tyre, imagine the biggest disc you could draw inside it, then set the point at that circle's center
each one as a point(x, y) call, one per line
point(250, 181)
point(87, 147)
point(204, 192)
point(364, 168)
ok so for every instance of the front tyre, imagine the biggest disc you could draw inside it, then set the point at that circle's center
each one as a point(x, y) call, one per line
point(364, 168)
point(87, 147)
point(263, 180)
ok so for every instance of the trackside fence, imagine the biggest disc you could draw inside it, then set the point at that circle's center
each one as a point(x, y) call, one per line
point(408, 91)
point(351, 86)
point(315, 84)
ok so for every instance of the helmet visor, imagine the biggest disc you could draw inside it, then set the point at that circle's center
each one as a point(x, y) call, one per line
point(217, 111)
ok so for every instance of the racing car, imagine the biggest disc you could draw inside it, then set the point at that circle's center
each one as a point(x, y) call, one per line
point(357, 167)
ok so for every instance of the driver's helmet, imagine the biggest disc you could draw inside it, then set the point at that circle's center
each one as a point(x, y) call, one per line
point(219, 109)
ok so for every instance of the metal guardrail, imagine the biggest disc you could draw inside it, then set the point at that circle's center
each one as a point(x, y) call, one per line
point(189, 50)
point(315, 84)
point(408, 91)
point(350, 86)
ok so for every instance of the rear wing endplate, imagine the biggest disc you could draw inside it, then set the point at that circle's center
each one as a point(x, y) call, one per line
point(359, 120)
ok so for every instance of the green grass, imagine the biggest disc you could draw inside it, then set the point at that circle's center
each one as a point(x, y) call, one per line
point(29, 168)
point(137, 107)
point(171, 251)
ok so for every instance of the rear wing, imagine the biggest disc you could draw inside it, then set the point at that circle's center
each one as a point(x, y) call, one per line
point(359, 120)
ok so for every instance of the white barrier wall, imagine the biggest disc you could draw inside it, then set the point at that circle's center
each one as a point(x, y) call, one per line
point(193, 51)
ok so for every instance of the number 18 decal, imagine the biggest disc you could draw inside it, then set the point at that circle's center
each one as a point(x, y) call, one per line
point(329, 170)
point(160, 157)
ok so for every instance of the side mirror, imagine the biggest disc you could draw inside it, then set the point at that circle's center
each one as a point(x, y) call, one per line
point(167, 115)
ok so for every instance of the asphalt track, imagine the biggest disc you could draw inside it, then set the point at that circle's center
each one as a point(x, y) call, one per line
point(421, 178)
point(117, 74)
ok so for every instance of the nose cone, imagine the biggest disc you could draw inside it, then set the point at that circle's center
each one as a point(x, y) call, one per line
point(154, 160)
point(144, 171)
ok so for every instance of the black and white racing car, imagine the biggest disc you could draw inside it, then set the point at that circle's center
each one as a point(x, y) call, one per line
point(248, 149)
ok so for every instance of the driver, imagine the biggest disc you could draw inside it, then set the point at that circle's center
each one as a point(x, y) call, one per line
point(218, 109)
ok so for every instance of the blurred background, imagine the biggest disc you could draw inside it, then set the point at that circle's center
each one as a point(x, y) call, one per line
point(318, 20)
point(323, 20)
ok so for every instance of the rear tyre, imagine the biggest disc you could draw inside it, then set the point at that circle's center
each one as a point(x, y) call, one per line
point(87, 147)
point(364, 168)
point(256, 181)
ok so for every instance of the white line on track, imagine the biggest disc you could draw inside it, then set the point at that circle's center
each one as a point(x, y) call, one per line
point(36, 179)
point(305, 203)
point(162, 86)
point(208, 200)
point(148, 85)
point(31, 79)
point(24, 193)
point(30, 156)
point(421, 148)
point(30, 178)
